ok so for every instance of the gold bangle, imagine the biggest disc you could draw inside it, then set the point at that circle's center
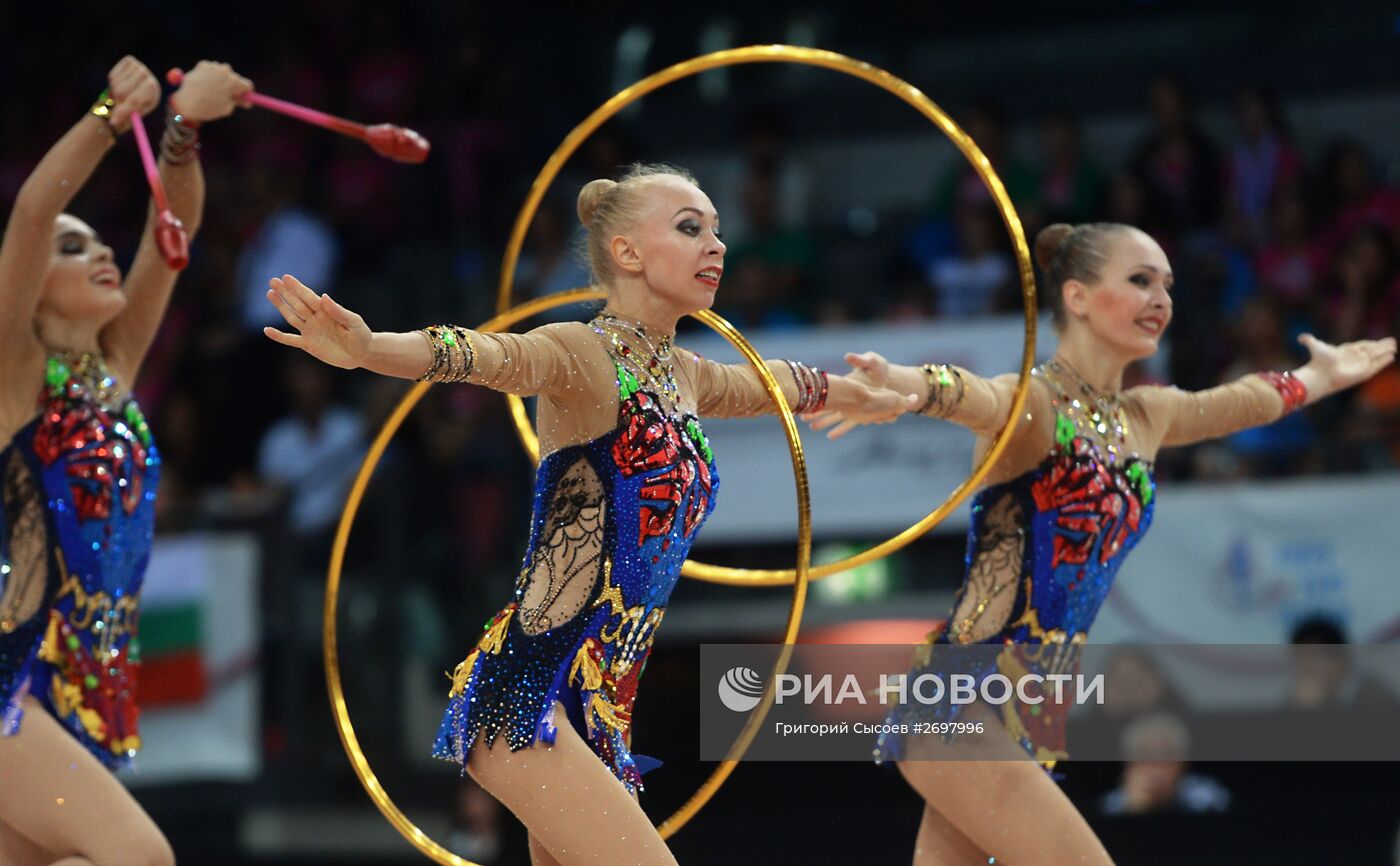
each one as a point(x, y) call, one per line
point(931, 377)
point(462, 352)
point(102, 109)
point(939, 377)
point(454, 353)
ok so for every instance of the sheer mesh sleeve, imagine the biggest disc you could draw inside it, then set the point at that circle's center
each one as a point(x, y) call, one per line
point(732, 390)
point(983, 403)
point(541, 361)
point(1180, 417)
point(1035, 427)
point(563, 364)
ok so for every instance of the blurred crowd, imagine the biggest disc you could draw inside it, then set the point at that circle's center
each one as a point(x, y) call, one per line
point(1267, 243)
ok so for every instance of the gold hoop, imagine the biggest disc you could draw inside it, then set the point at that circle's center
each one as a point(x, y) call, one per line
point(926, 107)
point(702, 795)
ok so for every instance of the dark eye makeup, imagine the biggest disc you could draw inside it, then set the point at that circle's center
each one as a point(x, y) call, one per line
point(73, 243)
point(692, 228)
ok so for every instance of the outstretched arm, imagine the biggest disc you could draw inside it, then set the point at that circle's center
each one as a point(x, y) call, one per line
point(538, 362)
point(28, 244)
point(735, 391)
point(939, 391)
point(210, 91)
point(1187, 417)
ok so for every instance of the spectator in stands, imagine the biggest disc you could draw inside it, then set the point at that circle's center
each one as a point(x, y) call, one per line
point(771, 268)
point(1324, 672)
point(1155, 777)
point(1134, 687)
point(960, 186)
point(1352, 195)
point(766, 147)
point(362, 195)
point(550, 264)
point(1363, 295)
point(959, 191)
point(314, 453)
point(1070, 186)
point(387, 75)
point(980, 278)
point(1127, 200)
point(1177, 164)
point(289, 237)
point(1262, 161)
point(1288, 263)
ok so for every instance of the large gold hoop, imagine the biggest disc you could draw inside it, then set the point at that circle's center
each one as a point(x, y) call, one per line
point(702, 795)
point(926, 107)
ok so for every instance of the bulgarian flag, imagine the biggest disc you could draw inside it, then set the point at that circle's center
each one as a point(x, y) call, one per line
point(170, 641)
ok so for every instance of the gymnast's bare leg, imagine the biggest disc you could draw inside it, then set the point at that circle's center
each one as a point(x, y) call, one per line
point(993, 803)
point(63, 808)
point(577, 811)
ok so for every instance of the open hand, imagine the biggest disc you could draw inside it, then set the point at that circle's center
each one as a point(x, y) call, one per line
point(1341, 367)
point(860, 397)
point(325, 330)
point(859, 403)
point(868, 367)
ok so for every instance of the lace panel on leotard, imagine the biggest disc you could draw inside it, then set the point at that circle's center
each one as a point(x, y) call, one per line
point(560, 577)
point(988, 595)
point(22, 589)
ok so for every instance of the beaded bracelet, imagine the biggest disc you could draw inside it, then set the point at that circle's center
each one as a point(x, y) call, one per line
point(454, 353)
point(813, 385)
point(1289, 387)
point(940, 377)
point(180, 142)
point(823, 390)
point(800, 381)
point(173, 113)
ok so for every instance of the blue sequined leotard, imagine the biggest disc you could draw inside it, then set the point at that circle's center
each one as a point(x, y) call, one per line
point(613, 521)
point(96, 469)
point(1044, 546)
point(1042, 552)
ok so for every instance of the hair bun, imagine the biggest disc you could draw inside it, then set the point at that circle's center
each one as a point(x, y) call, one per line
point(589, 197)
point(1049, 241)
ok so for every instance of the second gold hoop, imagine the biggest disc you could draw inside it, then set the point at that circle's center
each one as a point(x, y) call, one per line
point(925, 106)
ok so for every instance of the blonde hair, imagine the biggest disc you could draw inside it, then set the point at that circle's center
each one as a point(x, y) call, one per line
point(609, 207)
point(1065, 252)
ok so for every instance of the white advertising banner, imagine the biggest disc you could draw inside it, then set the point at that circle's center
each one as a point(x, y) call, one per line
point(1242, 563)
